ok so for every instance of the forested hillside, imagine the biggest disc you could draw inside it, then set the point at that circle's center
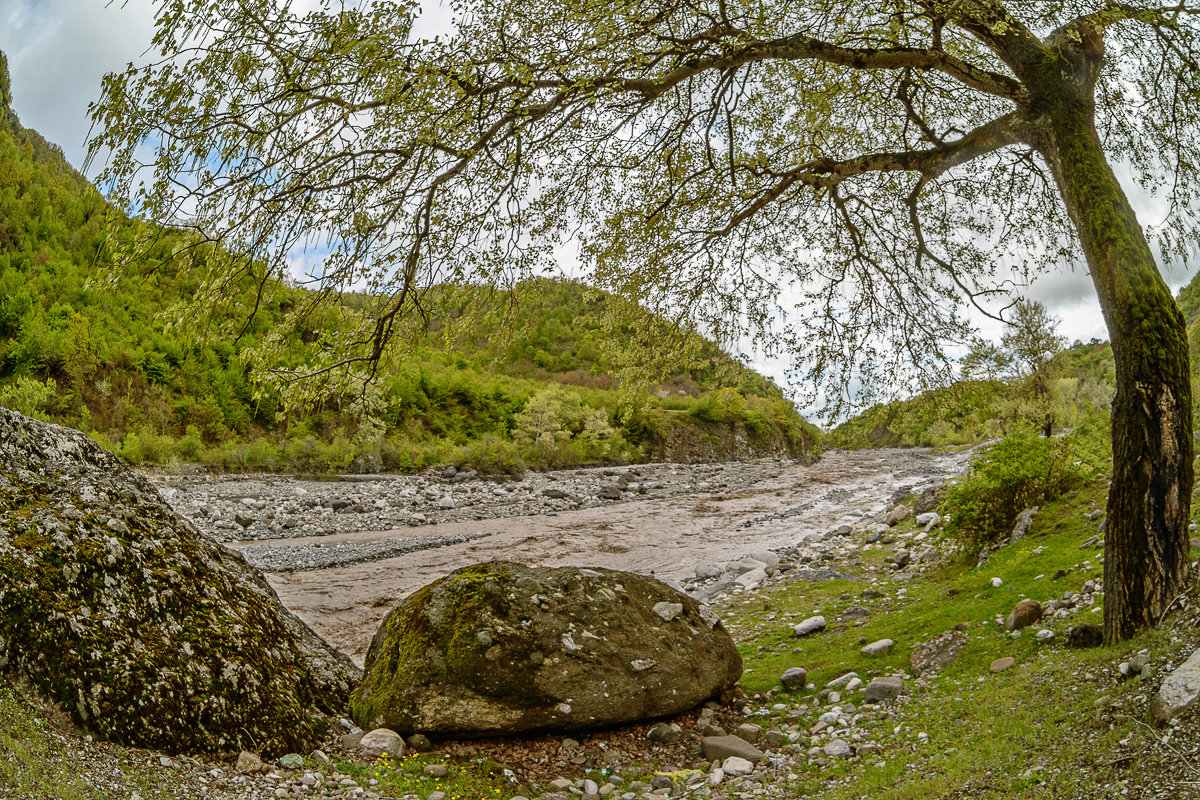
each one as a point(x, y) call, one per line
point(496, 380)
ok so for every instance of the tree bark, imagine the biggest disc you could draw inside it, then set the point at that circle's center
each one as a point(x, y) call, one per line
point(1146, 541)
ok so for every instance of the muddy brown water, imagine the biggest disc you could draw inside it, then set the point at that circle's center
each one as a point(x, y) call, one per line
point(667, 537)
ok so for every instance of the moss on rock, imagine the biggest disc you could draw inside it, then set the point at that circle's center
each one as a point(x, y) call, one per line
point(501, 647)
point(145, 632)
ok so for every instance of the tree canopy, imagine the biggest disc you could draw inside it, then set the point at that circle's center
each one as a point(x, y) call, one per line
point(842, 178)
point(866, 164)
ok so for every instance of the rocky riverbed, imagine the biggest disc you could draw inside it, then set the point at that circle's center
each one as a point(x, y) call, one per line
point(342, 553)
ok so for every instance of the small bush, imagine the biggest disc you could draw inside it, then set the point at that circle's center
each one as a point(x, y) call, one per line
point(1020, 471)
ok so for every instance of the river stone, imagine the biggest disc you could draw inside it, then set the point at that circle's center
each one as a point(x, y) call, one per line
point(561, 659)
point(935, 654)
point(146, 633)
point(1179, 691)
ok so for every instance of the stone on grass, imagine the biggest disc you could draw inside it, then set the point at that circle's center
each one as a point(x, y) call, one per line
point(810, 625)
point(717, 748)
point(1179, 691)
point(1026, 612)
point(380, 741)
point(878, 648)
point(1001, 664)
point(898, 514)
point(563, 642)
point(886, 688)
point(935, 654)
point(146, 632)
point(420, 743)
point(794, 678)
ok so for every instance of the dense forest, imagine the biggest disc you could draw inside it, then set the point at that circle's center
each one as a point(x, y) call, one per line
point(537, 376)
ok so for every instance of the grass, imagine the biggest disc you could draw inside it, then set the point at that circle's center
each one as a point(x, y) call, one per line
point(1031, 731)
point(473, 779)
point(39, 763)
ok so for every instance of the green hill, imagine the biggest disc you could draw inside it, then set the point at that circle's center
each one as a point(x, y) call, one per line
point(1082, 383)
point(494, 379)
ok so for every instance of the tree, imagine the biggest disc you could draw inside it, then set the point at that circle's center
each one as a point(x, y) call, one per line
point(1031, 343)
point(840, 175)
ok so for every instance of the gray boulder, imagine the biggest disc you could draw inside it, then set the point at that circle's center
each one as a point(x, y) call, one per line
point(794, 678)
point(141, 629)
point(810, 625)
point(1179, 691)
point(878, 648)
point(566, 649)
point(888, 688)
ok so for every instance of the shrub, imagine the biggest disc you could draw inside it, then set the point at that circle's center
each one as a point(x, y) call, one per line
point(1017, 472)
point(29, 396)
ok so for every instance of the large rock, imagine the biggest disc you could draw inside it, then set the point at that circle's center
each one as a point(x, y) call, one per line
point(144, 631)
point(501, 648)
point(1178, 692)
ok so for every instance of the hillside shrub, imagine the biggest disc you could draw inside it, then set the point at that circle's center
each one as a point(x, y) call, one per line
point(1022, 470)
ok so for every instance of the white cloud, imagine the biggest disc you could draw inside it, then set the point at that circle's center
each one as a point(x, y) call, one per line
point(58, 50)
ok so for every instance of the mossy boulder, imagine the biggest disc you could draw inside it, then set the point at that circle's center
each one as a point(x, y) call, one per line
point(503, 648)
point(141, 629)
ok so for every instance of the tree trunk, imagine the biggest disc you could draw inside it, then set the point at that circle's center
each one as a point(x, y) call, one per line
point(1146, 542)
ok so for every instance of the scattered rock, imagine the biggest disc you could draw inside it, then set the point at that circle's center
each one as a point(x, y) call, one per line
point(1021, 526)
point(935, 654)
point(1001, 664)
point(898, 514)
point(749, 731)
point(736, 766)
point(836, 748)
point(70, 585)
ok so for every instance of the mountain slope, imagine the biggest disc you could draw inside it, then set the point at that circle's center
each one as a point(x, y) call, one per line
point(83, 342)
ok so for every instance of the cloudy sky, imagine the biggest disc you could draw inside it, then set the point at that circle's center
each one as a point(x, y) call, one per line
point(59, 49)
